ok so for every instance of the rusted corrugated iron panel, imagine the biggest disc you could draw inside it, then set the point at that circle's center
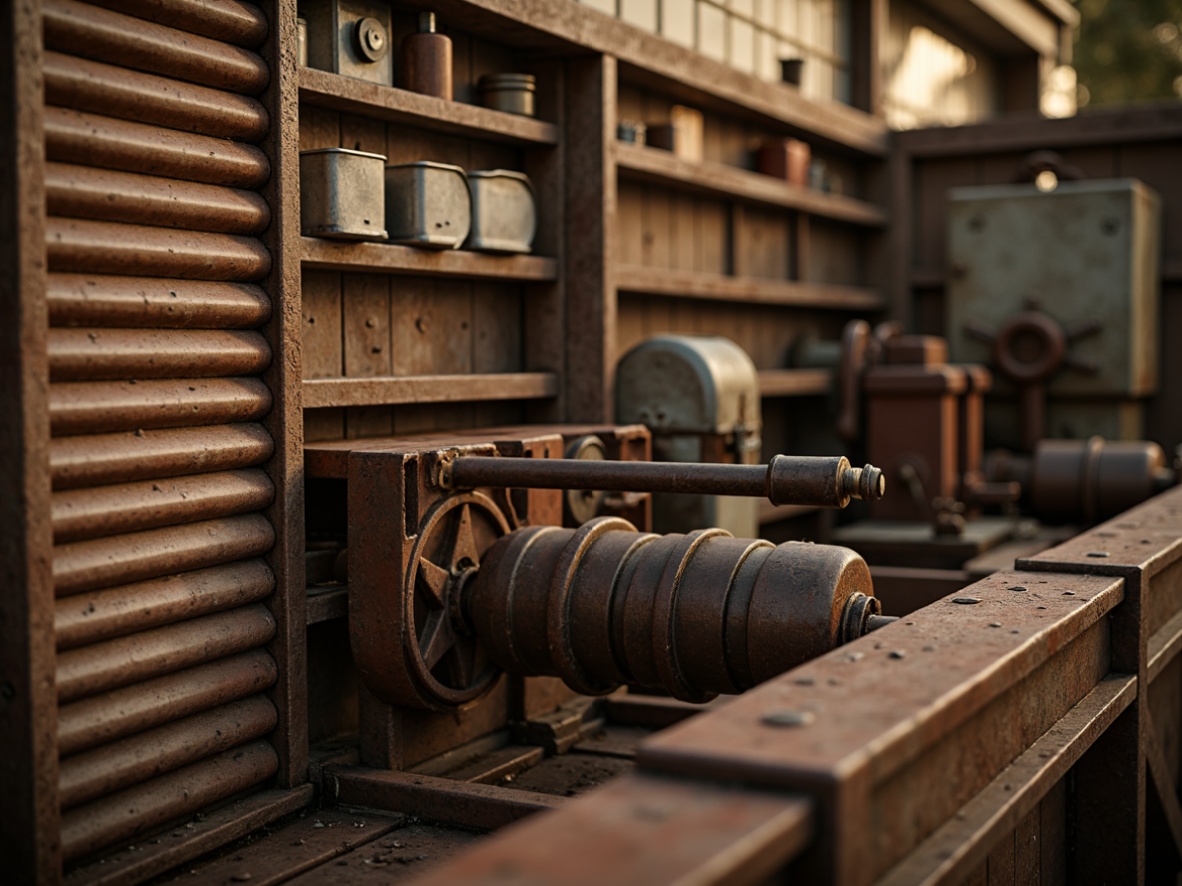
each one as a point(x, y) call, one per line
point(127, 813)
point(148, 454)
point(98, 407)
point(115, 766)
point(101, 563)
point(127, 660)
point(154, 302)
point(78, 137)
point(146, 98)
point(115, 612)
point(112, 715)
point(77, 191)
point(107, 36)
point(110, 248)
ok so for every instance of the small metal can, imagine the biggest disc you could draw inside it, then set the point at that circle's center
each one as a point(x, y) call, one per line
point(630, 131)
point(428, 204)
point(302, 41)
point(513, 93)
point(341, 194)
point(504, 213)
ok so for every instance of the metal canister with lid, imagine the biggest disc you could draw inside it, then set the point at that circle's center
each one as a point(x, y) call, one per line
point(504, 214)
point(428, 204)
point(513, 93)
point(341, 194)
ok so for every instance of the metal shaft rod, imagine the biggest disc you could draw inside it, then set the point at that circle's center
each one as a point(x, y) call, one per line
point(786, 479)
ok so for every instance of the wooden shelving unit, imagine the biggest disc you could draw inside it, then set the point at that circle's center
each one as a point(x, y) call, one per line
point(393, 390)
point(338, 93)
point(717, 179)
point(749, 290)
point(380, 258)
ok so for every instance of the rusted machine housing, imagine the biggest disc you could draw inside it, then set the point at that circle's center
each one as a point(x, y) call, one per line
point(453, 581)
point(1085, 301)
point(699, 397)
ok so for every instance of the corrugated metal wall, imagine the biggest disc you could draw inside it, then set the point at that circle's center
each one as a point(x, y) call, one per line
point(154, 403)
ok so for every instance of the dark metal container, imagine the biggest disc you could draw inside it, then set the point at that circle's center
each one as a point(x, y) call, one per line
point(504, 213)
point(341, 194)
point(426, 60)
point(428, 204)
point(513, 93)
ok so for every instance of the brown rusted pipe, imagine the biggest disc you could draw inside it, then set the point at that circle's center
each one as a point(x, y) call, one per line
point(95, 354)
point(118, 39)
point(100, 563)
point(121, 816)
point(116, 612)
point(693, 615)
point(77, 137)
point(96, 407)
point(242, 24)
point(98, 300)
point(104, 718)
point(111, 248)
point(126, 660)
point(131, 507)
point(99, 459)
point(106, 195)
point(116, 766)
point(106, 89)
point(785, 480)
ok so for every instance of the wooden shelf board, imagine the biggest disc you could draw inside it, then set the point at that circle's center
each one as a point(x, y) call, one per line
point(794, 382)
point(390, 391)
point(677, 71)
point(339, 93)
point(751, 290)
point(663, 167)
point(342, 255)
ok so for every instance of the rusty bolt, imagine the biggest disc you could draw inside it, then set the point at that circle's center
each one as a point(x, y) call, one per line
point(784, 719)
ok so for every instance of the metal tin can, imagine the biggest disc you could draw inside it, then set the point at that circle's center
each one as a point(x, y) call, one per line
point(341, 194)
point(428, 204)
point(504, 213)
point(513, 93)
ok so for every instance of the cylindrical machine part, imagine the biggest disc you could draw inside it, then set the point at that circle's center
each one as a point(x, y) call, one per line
point(694, 614)
point(828, 482)
point(1094, 479)
point(426, 60)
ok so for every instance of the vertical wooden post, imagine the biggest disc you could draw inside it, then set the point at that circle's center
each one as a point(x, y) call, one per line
point(868, 24)
point(29, 815)
point(589, 134)
point(283, 377)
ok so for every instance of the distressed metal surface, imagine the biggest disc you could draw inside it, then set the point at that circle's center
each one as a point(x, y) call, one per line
point(112, 715)
point(104, 195)
point(902, 727)
point(79, 137)
point(100, 615)
point(99, 300)
point(313, 839)
point(98, 459)
point(127, 813)
point(646, 829)
point(108, 36)
point(786, 479)
point(440, 800)
point(130, 507)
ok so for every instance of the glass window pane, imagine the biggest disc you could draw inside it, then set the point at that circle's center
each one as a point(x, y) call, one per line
point(677, 21)
point(641, 13)
point(711, 30)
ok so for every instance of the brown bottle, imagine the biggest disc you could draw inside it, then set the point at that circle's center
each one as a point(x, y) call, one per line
point(426, 60)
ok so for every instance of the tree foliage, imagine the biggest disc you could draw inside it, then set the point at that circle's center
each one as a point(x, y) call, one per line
point(1128, 51)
